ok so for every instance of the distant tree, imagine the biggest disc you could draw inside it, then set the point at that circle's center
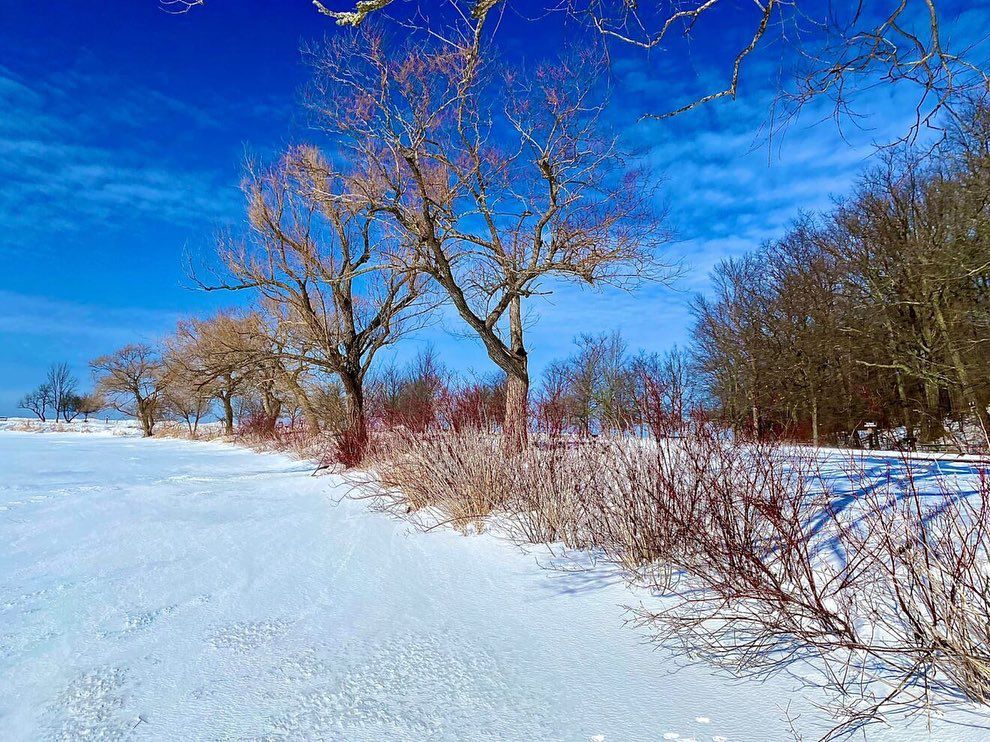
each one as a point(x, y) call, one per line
point(70, 406)
point(187, 402)
point(89, 404)
point(212, 358)
point(595, 387)
point(133, 380)
point(38, 401)
point(63, 385)
point(410, 396)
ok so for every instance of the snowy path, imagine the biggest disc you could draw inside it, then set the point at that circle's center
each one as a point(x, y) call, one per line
point(169, 590)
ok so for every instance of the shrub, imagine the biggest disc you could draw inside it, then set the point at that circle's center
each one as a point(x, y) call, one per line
point(349, 448)
point(462, 474)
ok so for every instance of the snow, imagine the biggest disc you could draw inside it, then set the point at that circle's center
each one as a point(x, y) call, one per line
point(162, 589)
point(95, 425)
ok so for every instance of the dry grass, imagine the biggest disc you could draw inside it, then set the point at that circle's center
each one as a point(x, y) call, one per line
point(179, 430)
point(462, 474)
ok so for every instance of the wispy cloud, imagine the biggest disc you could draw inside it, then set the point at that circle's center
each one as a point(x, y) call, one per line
point(72, 159)
point(88, 325)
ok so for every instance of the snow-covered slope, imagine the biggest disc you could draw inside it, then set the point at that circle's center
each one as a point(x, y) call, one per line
point(160, 589)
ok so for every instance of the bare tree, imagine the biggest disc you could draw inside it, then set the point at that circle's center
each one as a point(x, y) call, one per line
point(186, 402)
point(63, 386)
point(211, 359)
point(497, 200)
point(132, 380)
point(319, 257)
point(90, 404)
point(595, 388)
point(38, 402)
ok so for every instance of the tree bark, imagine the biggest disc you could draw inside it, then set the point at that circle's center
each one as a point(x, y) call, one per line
point(228, 414)
point(962, 373)
point(516, 427)
point(814, 420)
point(905, 405)
point(146, 417)
point(932, 428)
point(357, 427)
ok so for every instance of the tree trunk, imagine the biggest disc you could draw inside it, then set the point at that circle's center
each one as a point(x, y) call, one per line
point(271, 406)
point(228, 414)
point(146, 418)
point(905, 405)
point(355, 440)
point(814, 420)
point(962, 373)
point(516, 426)
point(932, 428)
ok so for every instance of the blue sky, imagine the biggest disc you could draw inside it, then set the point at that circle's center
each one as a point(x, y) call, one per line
point(123, 130)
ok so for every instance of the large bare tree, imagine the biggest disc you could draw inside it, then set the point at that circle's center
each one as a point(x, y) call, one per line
point(318, 258)
point(132, 380)
point(502, 184)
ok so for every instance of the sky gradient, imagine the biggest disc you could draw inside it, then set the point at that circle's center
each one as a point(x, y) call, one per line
point(123, 130)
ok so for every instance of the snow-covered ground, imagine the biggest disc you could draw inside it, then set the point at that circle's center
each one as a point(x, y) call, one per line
point(95, 425)
point(162, 589)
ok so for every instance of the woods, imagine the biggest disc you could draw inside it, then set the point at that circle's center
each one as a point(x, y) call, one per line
point(873, 313)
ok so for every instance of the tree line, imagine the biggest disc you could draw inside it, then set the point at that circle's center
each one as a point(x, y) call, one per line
point(876, 312)
point(459, 181)
point(872, 316)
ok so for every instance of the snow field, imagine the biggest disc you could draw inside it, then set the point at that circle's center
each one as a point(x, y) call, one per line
point(162, 589)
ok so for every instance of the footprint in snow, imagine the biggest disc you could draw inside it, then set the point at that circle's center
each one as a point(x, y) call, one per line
point(245, 636)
